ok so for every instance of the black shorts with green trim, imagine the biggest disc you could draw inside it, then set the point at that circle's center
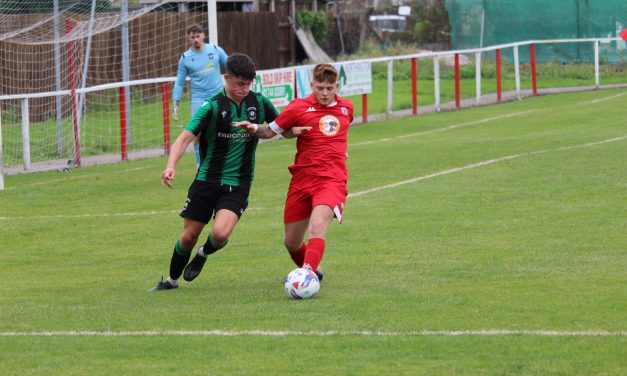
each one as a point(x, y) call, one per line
point(204, 199)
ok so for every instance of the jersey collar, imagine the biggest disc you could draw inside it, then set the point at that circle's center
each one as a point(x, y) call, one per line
point(312, 99)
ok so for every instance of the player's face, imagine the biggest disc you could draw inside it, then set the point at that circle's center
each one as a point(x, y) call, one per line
point(196, 39)
point(236, 87)
point(324, 91)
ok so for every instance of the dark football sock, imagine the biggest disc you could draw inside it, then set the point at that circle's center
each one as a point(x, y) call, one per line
point(299, 256)
point(211, 247)
point(179, 260)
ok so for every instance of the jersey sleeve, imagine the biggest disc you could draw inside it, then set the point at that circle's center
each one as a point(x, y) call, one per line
point(181, 75)
point(269, 109)
point(351, 111)
point(222, 55)
point(287, 119)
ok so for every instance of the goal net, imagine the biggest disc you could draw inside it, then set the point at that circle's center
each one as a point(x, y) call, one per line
point(81, 78)
point(478, 23)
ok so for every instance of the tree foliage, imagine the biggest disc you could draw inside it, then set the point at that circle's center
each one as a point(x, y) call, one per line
point(316, 21)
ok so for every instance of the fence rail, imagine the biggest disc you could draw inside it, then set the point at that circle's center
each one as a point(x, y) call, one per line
point(158, 138)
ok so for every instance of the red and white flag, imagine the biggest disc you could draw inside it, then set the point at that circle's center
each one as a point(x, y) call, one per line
point(623, 34)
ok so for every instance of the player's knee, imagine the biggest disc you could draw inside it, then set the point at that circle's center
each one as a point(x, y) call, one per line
point(220, 236)
point(317, 229)
point(292, 246)
point(188, 240)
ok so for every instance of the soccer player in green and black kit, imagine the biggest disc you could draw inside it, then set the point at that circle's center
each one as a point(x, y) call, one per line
point(226, 171)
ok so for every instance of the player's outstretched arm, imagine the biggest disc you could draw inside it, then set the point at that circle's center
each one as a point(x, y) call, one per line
point(176, 152)
point(295, 132)
point(262, 131)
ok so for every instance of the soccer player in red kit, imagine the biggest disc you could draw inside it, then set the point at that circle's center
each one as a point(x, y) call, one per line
point(317, 191)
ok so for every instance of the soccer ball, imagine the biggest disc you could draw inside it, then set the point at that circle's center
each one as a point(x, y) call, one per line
point(302, 284)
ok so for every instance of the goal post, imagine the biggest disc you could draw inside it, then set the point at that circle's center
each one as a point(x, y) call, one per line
point(71, 75)
point(1, 161)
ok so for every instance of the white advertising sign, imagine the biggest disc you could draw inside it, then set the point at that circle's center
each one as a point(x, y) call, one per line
point(355, 79)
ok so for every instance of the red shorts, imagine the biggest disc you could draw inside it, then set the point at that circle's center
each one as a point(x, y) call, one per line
point(307, 192)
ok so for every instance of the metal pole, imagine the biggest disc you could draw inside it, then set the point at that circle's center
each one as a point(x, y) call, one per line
point(578, 29)
point(498, 74)
point(478, 76)
point(81, 99)
point(532, 60)
point(1, 160)
point(482, 26)
point(517, 71)
point(414, 87)
point(436, 82)
point(25, 135)
point(57, 79)
point(457, 83)
point(126, 63)
point(212, 16)
point(123, 125)
point(165, 90)
point(77, 140)
point(390, 85)
point(597, 77)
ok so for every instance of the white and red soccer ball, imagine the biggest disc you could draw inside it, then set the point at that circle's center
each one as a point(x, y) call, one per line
point(302, 283)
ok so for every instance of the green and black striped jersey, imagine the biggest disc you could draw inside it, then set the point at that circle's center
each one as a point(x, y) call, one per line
point(227, 153)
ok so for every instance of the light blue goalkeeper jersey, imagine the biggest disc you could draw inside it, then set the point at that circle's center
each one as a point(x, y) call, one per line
point(203, 69)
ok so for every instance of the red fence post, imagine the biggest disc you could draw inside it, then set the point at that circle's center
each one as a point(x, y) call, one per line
point(123, 145)
point(364, 108)
point(498, 75)
point(166, 117)
point(77, 139)
point(532, 61)
point(414, 87)
point(457, 84)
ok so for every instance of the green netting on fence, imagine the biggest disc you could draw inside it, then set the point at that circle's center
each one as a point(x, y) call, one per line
point(507, 21)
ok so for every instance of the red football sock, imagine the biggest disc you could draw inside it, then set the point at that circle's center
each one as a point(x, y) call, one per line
point(299, 256)
point(314, 253)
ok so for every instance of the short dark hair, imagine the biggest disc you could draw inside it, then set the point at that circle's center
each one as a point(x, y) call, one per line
point(241, 65)
point(195, 28)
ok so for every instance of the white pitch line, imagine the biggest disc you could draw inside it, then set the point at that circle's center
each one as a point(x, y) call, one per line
point(356, 194)
point(66, 216)
point(76, 177)
point(480, 164)
point(102, 215)
point(330, 333)
point(606, 98)
point(485, 120)
point(82, 176)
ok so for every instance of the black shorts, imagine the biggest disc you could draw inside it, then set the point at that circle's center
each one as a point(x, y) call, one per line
point(205, 199)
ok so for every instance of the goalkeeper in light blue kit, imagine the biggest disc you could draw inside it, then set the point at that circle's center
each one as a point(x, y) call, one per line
point(202, 64)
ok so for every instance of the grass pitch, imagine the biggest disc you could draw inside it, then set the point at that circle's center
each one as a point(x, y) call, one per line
point(483, 241)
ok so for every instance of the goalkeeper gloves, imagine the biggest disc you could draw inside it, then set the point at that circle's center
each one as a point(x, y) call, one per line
point(175, 111)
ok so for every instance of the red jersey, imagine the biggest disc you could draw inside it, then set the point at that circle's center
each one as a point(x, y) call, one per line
point(322, 150)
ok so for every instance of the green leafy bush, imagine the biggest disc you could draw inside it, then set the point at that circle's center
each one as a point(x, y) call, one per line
point(316, 21)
